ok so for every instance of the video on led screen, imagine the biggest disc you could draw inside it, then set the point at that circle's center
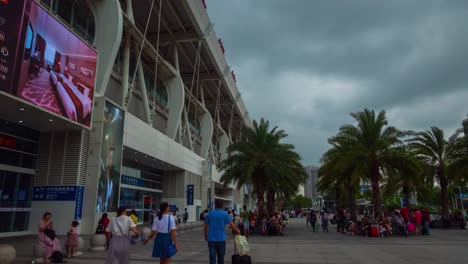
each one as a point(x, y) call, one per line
point(55, 69)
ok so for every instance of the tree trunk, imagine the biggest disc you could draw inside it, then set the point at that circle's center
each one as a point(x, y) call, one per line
point(271, 201)
point(352, 204)
point(338, 195)
point(261, 204)
point(444, 200)
point(375, 179)
point(259, 187)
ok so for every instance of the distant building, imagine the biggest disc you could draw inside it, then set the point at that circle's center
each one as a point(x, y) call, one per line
point(310, 189)
point(300, 190)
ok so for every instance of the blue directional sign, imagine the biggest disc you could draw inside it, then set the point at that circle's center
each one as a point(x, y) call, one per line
point(172, 208)
point(132, 181)
point(79, 202)
point(54, 193)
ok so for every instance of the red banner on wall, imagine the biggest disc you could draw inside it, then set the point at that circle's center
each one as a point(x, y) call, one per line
point(7, 142)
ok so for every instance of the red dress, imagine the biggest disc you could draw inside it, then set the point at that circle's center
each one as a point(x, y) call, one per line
point(72, 237)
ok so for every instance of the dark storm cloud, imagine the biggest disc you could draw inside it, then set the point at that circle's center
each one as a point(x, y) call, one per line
point(305, 65)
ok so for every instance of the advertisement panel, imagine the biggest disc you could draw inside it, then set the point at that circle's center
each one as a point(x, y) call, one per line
point(111, 159)
point(45, 64)
point(190, 192)
point(10, 24)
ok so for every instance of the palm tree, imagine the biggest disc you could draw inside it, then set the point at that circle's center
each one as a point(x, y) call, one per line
point(406, 174)
point(262, 160)
point(447, 159)
point(339, 174)
point(372, 148)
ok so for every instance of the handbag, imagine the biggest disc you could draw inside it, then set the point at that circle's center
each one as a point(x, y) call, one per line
point(50, 233)
point(237, 258)
point(171, 249)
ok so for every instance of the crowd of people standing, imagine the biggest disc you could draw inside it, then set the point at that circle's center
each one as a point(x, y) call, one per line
point(401, 222)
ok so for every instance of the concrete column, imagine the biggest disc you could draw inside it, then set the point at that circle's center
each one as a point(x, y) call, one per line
point(109, 27)
point(126, 68)
point(129, 10)
point(89, 218)
point(176, 94)
point(142, 85)
point(207, 134)
point(223, 144)
point(187, 130)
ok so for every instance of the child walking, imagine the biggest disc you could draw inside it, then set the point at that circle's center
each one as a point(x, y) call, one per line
point(72, 239)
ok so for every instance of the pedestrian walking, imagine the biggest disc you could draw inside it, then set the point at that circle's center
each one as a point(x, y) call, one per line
point(313, 219)
point(246, 221)
point(119, 229)
point(102, 228)
point(340, 220)
point(215, 224)
point(164, 229)
point(134, 217)
point(186, 216)
point(325, 221)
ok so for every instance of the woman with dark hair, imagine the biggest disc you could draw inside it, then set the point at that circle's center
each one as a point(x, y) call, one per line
point(164, 228)
point(120, 227)
point(102, 226)
point(47, 239)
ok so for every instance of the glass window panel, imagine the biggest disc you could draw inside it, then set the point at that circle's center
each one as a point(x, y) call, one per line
point(83, 20)
point(21, 221)
point(9, 189)
point(46, 3)
point(64, 9)
point(5, 223)
point(19, 131)
point(28, 161)
point(24, 191)
point(9, 157)
point(26, 146)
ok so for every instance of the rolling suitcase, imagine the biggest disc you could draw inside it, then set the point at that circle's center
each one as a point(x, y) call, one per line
point(374, 231)
point(238, 259)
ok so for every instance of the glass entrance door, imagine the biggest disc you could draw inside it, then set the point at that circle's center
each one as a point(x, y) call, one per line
point(15, 201)
point(147, 208)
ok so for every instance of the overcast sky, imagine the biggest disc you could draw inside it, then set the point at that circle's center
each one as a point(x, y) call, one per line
point(305, 64)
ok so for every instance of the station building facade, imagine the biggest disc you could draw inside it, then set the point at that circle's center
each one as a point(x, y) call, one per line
point(112, 102)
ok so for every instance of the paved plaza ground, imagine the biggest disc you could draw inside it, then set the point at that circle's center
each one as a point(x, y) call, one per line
point(300, 245)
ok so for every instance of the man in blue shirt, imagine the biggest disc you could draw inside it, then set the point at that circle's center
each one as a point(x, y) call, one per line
point(215, 232)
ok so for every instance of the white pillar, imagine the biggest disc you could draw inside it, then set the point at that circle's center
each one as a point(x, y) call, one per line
point(126, 68)
point(89, 217)
point(207, 134)
point(109, 27)
point(176, 99)
point(187, 129)
point(223, 144)
point(142, 85)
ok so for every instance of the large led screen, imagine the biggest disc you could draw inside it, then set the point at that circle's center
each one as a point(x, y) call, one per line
point(44, 63)
point(111, 159)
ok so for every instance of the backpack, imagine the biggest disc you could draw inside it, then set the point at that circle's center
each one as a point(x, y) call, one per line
point(57, 257)
point(100, 228)
point(50, 233)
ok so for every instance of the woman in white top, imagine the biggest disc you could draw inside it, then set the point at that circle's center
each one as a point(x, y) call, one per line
point(164, 228)
point(119, 229)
